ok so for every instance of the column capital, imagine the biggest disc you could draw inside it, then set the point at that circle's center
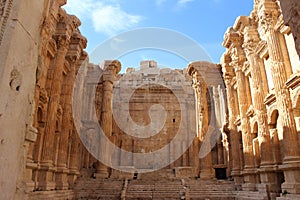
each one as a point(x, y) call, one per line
point(268, 12)
point(62, 41)
point(113, 66)
point(251, 39)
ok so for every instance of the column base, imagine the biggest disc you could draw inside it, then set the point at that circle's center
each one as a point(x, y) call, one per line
point(72, 177)
point(61, 178)
point(45, 176)
point(249, 179)
point(269, 179)
point(30, 184)
point(238, 178)
point(291, 172)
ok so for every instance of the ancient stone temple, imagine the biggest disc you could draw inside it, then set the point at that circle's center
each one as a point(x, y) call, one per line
point(71, 129)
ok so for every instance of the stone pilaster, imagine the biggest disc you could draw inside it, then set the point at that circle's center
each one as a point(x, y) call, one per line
point(47, 168)
point(111, 68)
point(268, 14)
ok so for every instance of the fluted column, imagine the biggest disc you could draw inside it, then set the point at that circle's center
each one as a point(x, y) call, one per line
point(62, 170)
point(234, 137)
point(110, 70)
point(267, 174)
point(238, 59)
point(200, 87)
point(291, 152)
point(73, 160)
point(46, 181)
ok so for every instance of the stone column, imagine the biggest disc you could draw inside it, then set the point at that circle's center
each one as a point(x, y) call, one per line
point(111, 68)
point(200, 87)
point(216, 98)
point(238, 59)
point(234, 137)
point(62, 170)
point(46, 170)
point(268, 15)
point(73, 163)
point(267, 173)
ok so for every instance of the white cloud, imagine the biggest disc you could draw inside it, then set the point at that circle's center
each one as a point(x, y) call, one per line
point(107, 16)
point(111, 19)
point(183, 2)
point(160, 2)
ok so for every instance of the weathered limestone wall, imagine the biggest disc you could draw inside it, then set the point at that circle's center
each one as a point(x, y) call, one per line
point(179, 118)
point(19, 40)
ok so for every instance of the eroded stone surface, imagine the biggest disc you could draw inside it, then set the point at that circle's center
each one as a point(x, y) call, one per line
point(242, 115)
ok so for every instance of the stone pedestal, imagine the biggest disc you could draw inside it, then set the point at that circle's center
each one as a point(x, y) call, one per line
point(30, 184)
point(102, 171)
point(61, 178)
point(45, 177)
point(269, 181)
point(72, 176)
point(292, 178)
point(249, 180)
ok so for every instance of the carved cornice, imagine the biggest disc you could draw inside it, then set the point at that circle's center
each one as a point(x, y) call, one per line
point(293, 82)
point(43, 96)
point(250, 111)
point(281, 27)
point(262, 49)
point(237, 122)
point(270, 99)
point(246, 68)
point(51, 48)
point(240, 23)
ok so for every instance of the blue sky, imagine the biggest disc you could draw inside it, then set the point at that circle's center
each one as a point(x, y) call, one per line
point(204, 21)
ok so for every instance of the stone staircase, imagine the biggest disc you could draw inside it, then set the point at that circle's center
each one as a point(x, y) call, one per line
point(210, 189)
point(142, 189)
point(163, 189)
point(100, 189)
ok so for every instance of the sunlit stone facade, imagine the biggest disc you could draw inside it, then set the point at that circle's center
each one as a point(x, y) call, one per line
point(242, 116)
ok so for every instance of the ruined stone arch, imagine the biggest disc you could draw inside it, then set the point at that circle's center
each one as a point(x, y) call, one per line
point(273, 117)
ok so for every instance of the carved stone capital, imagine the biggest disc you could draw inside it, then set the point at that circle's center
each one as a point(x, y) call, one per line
point(114, 66)
point(251, 39)
point(268, 13)
point(62, 41)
